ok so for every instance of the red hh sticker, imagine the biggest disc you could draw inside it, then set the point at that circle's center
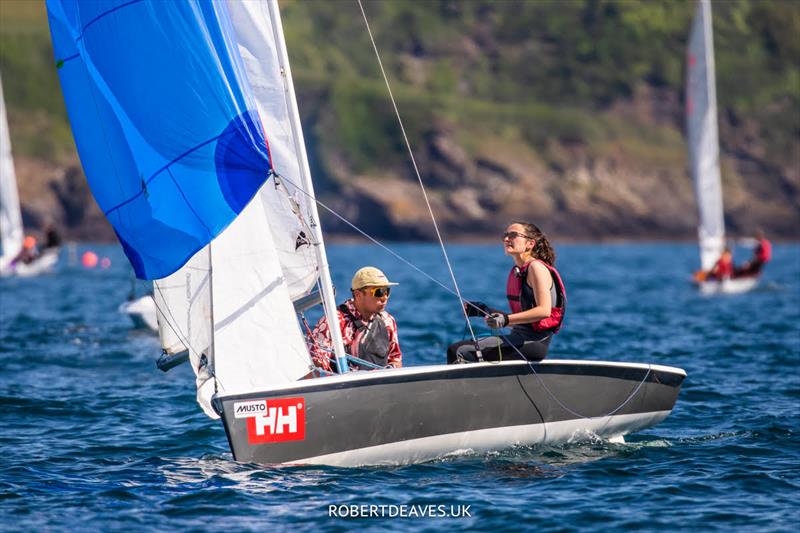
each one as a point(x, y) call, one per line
point(276, 420)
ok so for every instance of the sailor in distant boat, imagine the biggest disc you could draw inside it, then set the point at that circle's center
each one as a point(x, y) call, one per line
point(723, 268)
point(762, 254)
point(536, 296)
point(28, 253)
point(369, 332)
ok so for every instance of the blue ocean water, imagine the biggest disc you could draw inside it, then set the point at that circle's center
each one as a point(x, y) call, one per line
point(95, 438)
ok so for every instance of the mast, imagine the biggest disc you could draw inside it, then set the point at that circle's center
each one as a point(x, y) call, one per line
point(305, 172)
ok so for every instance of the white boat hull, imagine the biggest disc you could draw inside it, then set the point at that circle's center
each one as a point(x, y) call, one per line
point(728, 286)
point(611, 428)
point(142, 312)
point(41, 265)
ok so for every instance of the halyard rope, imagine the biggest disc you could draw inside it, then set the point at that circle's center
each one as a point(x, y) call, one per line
point(444, 251)
point(416, 170)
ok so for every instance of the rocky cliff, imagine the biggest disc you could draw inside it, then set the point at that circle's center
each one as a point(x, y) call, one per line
point(566, 114)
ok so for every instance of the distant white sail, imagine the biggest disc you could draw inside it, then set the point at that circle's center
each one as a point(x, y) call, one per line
point(702, 136)
point(11, 233)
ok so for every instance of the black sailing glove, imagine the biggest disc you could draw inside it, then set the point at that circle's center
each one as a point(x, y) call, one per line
point(476, 309)
point(497, 320)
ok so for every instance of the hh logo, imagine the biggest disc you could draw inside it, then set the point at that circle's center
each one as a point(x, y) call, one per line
point(279, 421)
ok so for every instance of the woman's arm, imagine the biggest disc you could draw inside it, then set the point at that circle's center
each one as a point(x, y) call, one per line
point(540, 279)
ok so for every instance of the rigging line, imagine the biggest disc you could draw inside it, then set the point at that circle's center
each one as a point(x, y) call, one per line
point(171, 318)
point(559, 402)
point(416, 171)
point(373, 240)
point(181, 337)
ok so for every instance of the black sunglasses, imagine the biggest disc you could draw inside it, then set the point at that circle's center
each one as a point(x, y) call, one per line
point(378, 292)
point(513, 235)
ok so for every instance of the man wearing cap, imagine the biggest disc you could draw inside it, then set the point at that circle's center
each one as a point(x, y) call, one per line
point(369, 332)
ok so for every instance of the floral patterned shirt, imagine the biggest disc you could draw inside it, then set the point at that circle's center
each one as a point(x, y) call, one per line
point(321, 346)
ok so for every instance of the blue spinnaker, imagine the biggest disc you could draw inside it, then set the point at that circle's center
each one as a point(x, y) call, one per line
point(163, 119)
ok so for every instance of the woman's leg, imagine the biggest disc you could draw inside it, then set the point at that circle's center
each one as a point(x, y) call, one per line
point(461, 352)
point(508, 347)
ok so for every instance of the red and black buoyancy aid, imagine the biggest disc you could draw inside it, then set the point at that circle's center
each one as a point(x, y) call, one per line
point(521, 298)
point(763, 252)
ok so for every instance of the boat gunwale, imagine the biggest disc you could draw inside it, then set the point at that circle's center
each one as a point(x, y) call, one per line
point(433, 372)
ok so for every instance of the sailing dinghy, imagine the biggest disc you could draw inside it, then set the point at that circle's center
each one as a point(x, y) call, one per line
point(186, 121)
point(11, 231)
point(703, 142)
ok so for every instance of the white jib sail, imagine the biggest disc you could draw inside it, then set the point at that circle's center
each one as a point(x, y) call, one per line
point(257, 339)
point(286, 206)
point(183, 305)
point(10, 217)
point(256, 342)
point(701, 124)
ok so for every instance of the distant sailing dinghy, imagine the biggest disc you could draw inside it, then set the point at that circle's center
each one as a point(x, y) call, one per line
point(702, 138)
point(11, 231)
point(200, 166)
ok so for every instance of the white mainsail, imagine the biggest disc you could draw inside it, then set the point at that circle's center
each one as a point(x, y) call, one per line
point(702, 136)
point(257, 339)
point(287, 207)
point(262, 47)
point(11, 233)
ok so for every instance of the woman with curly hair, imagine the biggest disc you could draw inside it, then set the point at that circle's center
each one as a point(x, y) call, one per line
point(536, 297)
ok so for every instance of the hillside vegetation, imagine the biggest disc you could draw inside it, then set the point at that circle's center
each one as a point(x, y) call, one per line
point(569, 113)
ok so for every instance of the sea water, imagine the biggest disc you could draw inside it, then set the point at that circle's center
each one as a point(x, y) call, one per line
point(95, 438)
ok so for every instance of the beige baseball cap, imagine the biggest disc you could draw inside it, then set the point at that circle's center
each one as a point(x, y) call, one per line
point(370, 277)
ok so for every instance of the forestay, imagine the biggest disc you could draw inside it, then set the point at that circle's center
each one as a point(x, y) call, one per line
point(10, 218)
point(702, 136)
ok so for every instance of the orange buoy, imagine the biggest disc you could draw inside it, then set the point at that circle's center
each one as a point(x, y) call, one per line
point(89, 259)
point(105, 262)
